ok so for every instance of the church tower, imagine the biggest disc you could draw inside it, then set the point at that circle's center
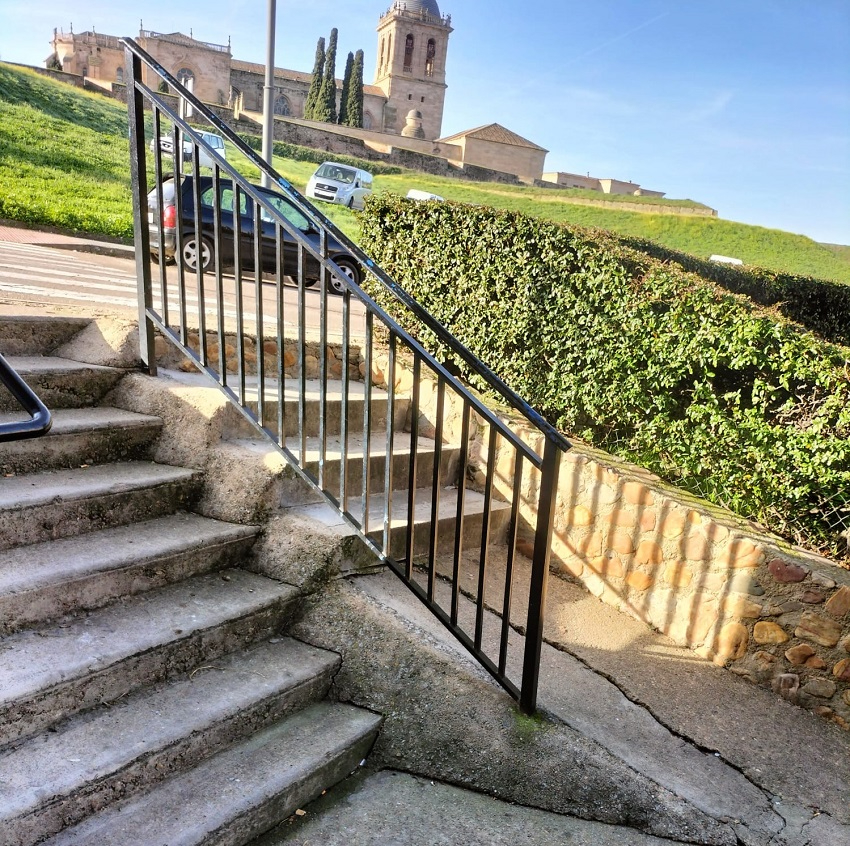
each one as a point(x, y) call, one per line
point(412, 42)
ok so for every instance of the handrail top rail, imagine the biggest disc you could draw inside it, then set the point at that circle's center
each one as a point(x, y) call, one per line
point(482, 370)
point(40, 418)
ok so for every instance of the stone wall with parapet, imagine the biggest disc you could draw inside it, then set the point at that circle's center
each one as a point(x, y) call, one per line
point(709, 580)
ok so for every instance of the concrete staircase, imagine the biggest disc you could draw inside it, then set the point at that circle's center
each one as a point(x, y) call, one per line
point(147, 695)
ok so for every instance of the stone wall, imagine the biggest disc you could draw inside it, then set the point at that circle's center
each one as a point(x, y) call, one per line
point(709, 580)
point(645, 208)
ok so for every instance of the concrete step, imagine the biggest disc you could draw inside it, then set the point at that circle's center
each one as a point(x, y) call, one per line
point(236, 795)
point(500, 513)
point(65, 503)
point(37, 335)
point(57, 670)
point(379, 407)
point(82, 436)
point(61, 777)
point(60, 382)
point(45, 581)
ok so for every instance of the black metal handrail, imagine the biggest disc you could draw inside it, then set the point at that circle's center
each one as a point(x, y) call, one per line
point(40, 419)
point(222, 216)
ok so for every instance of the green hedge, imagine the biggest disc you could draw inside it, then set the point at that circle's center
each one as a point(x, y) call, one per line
point(637, 356)
point(818, 304)
point(307, 154)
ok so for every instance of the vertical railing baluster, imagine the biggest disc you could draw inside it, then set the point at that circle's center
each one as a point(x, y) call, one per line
point(219, 277)
point(460, 513)
point(388, 453)
point(436, 489)
point(539, 576)
point(302, 361)
point(199, 269)
point(281, 335)
point(344, 410)
point(237, 279)
point(513, 529)
point(412, 467)
point(485, 537)
point(367, 422)
point(323, 360)
point(176, 140)
point(158, 177)
point(138, 179)
point(258, 306)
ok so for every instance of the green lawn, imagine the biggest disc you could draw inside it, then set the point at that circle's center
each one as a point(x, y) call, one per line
point(64, 161)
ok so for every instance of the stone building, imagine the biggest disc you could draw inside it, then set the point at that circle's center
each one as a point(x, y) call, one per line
point(498, 148)
point(405, 100)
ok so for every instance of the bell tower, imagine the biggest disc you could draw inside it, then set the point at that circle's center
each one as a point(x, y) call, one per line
point(411, 71)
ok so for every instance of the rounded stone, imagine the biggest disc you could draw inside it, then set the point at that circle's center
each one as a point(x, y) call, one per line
point(636, 493)
point(672, 525)
point(842, 669)
point(678, 575)
point(839, 602)
point(639, 580)
point(649, 552)
point(822, 688)
point(798, 655)
point(732, 641)
point(786, 572)
point(765, 632)
point(579, 516)
point(622, 542)
point(697, 548)
point(739, 605)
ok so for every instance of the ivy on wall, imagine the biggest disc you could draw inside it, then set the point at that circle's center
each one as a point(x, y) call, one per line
point(638, 356)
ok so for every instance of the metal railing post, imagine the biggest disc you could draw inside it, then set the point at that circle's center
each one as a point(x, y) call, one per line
point(539, 576)
point(138, 177)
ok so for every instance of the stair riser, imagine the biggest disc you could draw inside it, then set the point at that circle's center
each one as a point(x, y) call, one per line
point(283, 804)
point(37, 335)
point(148, 769)
point(55, 452)
point(31, 715)
point(78, 389)
point(21, 610)
point(377, 467)
point(68, 518)
point(333, 415)
point(472, 526)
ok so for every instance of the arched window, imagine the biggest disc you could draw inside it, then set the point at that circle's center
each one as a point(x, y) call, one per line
point(367, 120)
point(408, 53)
point(429, 57)
point(281, 105)
point(381, 61)
point(119, 75)
point(186, 78)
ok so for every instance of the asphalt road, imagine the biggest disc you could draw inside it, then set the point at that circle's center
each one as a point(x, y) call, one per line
point(36, 274)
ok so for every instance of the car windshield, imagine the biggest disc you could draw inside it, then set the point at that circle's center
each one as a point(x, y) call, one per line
point(337, 173)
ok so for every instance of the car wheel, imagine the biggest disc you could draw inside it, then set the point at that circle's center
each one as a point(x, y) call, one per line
point(197, 249)
point(349, 269)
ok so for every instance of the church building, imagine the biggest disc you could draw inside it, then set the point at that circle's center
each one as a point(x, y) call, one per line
point(410, 72)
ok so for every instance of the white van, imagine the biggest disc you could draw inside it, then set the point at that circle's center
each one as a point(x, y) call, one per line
point(339, 183)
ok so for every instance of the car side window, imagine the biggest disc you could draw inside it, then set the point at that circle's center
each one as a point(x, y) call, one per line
point(289, 211)
point(227, 201)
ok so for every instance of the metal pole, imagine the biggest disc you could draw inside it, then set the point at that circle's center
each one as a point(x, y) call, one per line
point(268, 95)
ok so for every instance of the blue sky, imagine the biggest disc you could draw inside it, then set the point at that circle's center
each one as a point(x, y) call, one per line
point(740, 104)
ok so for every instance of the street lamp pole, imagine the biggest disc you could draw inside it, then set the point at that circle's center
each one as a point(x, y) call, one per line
point(268, 94)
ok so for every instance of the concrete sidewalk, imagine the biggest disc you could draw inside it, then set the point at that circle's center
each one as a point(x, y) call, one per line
point(51, 237)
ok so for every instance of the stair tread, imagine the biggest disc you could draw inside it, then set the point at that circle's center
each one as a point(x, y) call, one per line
point(192, 807)
point(35, 364)
point(41, 488)
point(28, 568)
point(96, 745)
point(72, 420)
point(40, 659)
point(473, 504)
point(67, 421)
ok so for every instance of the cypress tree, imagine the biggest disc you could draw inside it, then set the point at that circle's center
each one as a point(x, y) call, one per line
point(316, 81)
point(326, 104)
point(354, 103)
point(346, 87)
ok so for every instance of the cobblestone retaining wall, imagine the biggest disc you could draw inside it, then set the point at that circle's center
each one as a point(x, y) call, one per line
point(711, 581)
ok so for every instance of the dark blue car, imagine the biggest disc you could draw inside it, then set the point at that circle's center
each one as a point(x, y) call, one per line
point(199, 247)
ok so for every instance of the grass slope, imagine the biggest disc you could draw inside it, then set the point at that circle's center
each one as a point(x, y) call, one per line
point(64, 161)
